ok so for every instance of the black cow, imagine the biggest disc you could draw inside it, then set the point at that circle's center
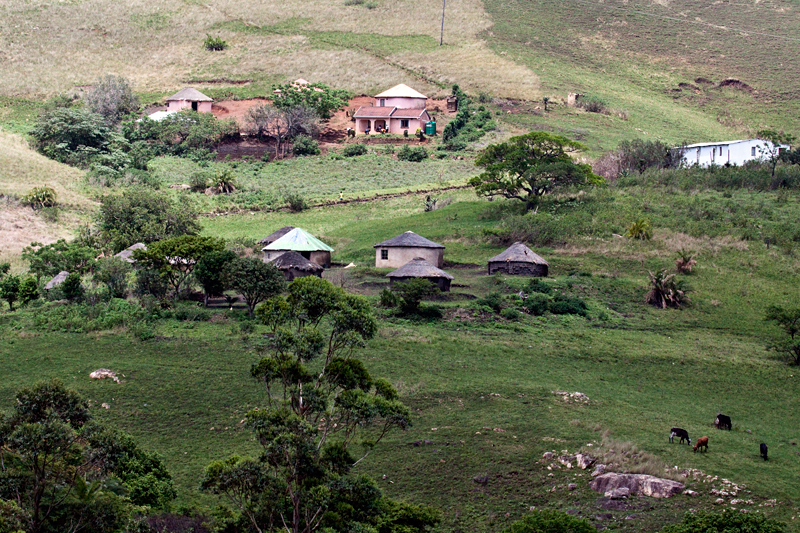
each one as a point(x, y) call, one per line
point(764, 451)
point(682, 433)
point(723, 422)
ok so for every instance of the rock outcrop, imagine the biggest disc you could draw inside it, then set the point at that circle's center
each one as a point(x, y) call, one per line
point(637, 484)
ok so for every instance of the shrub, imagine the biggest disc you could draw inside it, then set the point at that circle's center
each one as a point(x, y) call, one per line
point(214, 44)
point(641, 229)
point(352, 150)
point(666, 290)
point(113, 273)
point(295, 201)
point(149, 282)
point(551, 521)
point(389, 299)
point(592, 104)
point(112, 98)
point(727, 521)
point(28, 290)
point(685, 261)
point(567, 305)
point(493, 300)
point(510, 314)
point(73, 288)
point(304, 145)
point(71, 135)
point(416, 154)
point(410, 293)
point(537, 285)
point(537, 304)
point(40, 197)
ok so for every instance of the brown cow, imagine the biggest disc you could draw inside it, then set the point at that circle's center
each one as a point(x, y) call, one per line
point(702, 442)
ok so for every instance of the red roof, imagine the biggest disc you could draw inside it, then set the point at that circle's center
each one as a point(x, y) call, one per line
point(409, 113)
point(373, 112)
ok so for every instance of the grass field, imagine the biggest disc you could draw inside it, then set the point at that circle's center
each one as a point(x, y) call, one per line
point(482, 387)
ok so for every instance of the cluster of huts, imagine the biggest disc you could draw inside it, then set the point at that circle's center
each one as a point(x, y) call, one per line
point(298, 253)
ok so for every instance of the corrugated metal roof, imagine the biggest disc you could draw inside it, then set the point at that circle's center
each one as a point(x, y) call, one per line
point(519, 253)
point(400, 91)
point(418, 268)
point(298, 240)
point(409, 239)
point(190, 94)
point(373, 112)
point(409, 113)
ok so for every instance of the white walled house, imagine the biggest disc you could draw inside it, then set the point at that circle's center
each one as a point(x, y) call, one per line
point(727, 152)
point(398, 109)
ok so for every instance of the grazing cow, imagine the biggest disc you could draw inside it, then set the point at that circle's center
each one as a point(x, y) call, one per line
point(702, 442)
point(723, 422)
point(682, 433)
point(764, 451)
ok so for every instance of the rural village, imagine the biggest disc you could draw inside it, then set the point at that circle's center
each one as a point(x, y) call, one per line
point(360, 266)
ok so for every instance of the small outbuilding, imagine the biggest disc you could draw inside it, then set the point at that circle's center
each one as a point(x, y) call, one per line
point(127, 253)
point(189, 98)
point(519, 260)
point(300, 241)
point(399, 250)
point(293, 265)
point(420, 268)
point(57, 280)
point(272, 237)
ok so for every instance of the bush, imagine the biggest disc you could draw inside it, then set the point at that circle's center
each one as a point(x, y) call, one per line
point(728, 521)
point(640, 229)
point(28, 290)
point(551, 521)
point(304, 145)
point(537, 285)
point(71, 135)
point(537, 304)
point(214, 44)
point(510, 314)
point(416, 154)
point(592, 104)
point(666, 290)
point(40, 197)
point(149, 282)
point(411, 293)
point(493, 300)
point(567, 305)
point(112, 98)
point(73, 288)
point(113, 273)
point(352, 150)
point(295, 201)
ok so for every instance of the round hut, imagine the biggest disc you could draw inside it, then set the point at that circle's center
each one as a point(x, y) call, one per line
point(272, 237)
point(300, 241)
point(519, 260)
point(399, 250)
point(293, 265)
point(57, 280)
point(420, 268)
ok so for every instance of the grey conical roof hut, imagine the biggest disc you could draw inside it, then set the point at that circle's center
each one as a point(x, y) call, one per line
point(519, 260)
point(127, 253)
point(57, 280)
point(293, 265)
point(420, 268)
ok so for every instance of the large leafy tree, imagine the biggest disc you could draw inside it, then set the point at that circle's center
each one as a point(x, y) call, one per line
point(322, 406)
point(529, 166)
point(56, 465)
point(71, 135)
point(254, 279)
point(47, 260)
point(175, 259)
point(112, 98)
point(210, 272)
point(317, 96)
point(143, 216)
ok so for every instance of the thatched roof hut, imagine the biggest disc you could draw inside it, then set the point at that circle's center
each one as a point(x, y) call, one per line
point(56, 281)
point(519, 260)
point(399, 250)
point(272, 237)
point(420, 268)
point(293, 265)
point(127, 253)
point(189, 98)
point(300, 241)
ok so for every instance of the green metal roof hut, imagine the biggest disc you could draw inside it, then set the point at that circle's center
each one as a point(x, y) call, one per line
point(300, 241)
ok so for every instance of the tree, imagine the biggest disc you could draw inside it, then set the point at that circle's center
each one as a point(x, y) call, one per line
point(550, 521)
point(530, 166)
point(210, 272)
point(666, 290)
point(9, 289)
point(771, 153)
point(254, 279)
point(175, 259)
point(788, 319)
point(71, 135)
point(282, 124)
point(320, 399)
point(317, 96)
point(412, 292)
point(728, 521)
point(72, 287)
point(57, 463)
point(143, 216)
point(50, 259)
point(28, 290)
point(112, 98)
point(114, 273)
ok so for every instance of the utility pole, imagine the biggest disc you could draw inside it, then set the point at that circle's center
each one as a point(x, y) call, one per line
point(441, 35)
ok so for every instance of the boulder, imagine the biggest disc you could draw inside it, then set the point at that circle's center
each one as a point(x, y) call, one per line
point(572, 486)
point(547, 455)
point(637, 484)
point(618, 494)
point(598, 470)
point(584, 461)
point(102, 373)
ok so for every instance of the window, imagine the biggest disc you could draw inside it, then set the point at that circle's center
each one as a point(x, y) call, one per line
point(404, 123)
point(384, 255)
point(753, 151)
point(383, 102)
